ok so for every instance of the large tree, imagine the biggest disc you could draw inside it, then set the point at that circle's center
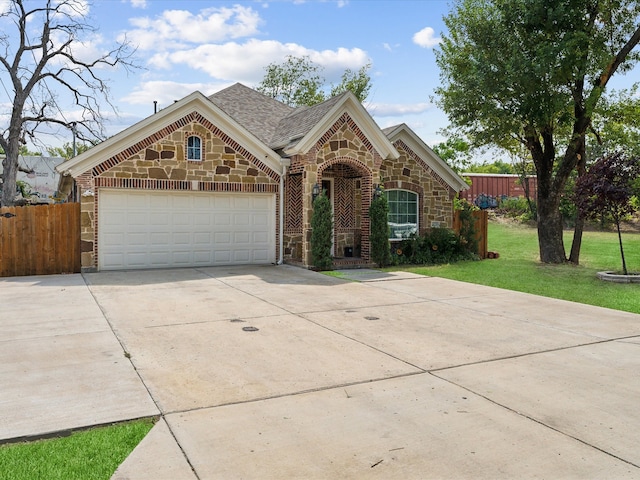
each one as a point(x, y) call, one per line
point(42, 73)
point(297, 82)
point(617, 124)
point(533, 71)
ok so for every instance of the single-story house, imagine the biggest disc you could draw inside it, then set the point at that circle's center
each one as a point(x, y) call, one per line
point(229, 179)
point(38, 176)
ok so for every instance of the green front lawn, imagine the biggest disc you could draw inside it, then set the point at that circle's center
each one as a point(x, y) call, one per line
point(518, 268)
point(87, 455)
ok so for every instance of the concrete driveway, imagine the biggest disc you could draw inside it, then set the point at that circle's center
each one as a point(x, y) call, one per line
point(279, 372)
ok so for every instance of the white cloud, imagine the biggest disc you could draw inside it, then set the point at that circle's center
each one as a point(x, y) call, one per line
point(86, 50)
point(425, 38)
point(74, 8)
point(397, 109)
point(245, 62)
point(179, 28)
point(5, 6)
point(166, 92)
point(139, 3)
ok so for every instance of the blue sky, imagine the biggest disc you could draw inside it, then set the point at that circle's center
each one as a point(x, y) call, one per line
point(207, 45)
point(230, 42)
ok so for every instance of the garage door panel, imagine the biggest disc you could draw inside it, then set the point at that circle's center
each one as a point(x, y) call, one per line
point(242, 237)
point(242, 256)
point(143, 229)
point(201, 238)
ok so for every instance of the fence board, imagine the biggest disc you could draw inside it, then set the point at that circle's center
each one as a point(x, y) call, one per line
point(40, 240)
point(481, 228)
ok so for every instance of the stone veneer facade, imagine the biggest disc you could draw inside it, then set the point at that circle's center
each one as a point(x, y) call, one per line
point(348, 159)
point(343, 156)
point(159, 163)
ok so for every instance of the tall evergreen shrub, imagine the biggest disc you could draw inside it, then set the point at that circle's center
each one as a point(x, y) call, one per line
point(380, 232)
point(321, 233)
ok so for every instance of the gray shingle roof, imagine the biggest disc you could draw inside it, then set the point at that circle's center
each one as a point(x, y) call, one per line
point(300, 122)
point(256, 112)
point(274, 123)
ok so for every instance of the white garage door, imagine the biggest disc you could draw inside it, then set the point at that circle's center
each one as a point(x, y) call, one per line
point(166, 229)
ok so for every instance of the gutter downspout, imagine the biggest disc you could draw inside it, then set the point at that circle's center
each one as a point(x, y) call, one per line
point(286, 162)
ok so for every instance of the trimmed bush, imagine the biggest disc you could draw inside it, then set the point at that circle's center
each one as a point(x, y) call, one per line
point(380, 232)
point(321, 233)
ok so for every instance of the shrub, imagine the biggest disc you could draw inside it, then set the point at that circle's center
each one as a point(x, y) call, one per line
point(380, 233)
point(518, 208)
point(321, 233)
point(439, 246)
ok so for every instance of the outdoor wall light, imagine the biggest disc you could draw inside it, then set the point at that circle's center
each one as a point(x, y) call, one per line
point(315, 192)
point(377, 191)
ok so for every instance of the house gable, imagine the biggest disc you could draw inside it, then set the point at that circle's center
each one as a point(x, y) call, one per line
point(193, 107)
point(162, 156)
point(344, 109)
point(405, 139)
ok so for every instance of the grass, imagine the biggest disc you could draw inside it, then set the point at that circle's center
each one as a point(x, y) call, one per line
point(86, 455)
point(518, 268)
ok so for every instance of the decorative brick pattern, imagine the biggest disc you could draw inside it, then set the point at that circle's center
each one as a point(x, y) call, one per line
point(343, 204)
point(293, 201)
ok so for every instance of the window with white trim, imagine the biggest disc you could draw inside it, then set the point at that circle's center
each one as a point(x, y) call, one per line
point(403, 213)
point(194, 148)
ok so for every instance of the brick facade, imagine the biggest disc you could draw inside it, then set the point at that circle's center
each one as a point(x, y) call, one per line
point(159, 163)
point(344, 155)
point(351, 157)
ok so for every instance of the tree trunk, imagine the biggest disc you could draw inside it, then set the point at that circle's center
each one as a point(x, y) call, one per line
point(624, 263)
point(550, 230)
point(576, 244)
point(9, 172)
point(550, 240)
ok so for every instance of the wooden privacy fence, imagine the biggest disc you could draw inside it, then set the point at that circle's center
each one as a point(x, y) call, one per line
point(40, 240)
point(481, 227)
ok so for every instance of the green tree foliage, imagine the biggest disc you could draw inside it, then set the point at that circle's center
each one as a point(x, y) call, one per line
point(607, 189)
point(456, 151)
point(380, 232)
point(358, 83)
point(617, 124)
point(497, 167)
point(533, 72)
point(321, 233)
point(297, 82)
point(66, 151)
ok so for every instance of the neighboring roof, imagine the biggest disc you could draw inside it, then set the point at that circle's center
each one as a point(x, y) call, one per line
point(195, 102)
point(413, 141)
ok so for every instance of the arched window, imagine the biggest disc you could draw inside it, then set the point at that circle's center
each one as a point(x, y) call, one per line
point(403, 213)
point(194, 148)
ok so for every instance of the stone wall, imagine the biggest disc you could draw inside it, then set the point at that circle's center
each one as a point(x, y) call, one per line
point(161, 164)
point(410, 172)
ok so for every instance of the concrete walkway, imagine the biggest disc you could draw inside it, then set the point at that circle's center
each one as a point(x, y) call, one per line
point(279, 372)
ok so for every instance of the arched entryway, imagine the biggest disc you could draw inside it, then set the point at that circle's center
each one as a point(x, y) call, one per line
point(349, 185)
